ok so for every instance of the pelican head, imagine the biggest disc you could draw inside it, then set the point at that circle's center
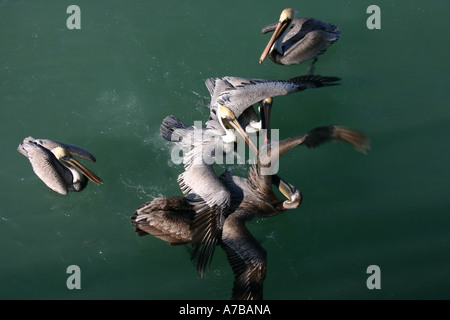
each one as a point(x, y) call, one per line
point(226, 113)
point(287, 14)
point(293, 195)
point(228, 121)
point(283, 27)
point(60, 153)
point(74, 166)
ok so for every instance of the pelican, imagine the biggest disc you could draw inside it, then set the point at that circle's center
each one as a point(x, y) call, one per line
point(172, 218)
point(199, 182)
point(200, 144)
point(248, 119)
point(54, 163)
point(230, 98)
point(296, 40)
point(240, 94)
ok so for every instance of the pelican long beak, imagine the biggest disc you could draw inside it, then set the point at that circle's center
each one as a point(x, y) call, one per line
point(235, 124)
point(266, 106)
point(285, 188)
point(72, 162)
point(231, 122)
point(293, 195)
point(281, 27)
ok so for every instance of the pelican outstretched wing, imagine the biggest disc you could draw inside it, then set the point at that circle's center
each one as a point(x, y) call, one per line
point(204, 191)
point(246, 94)
point(211, 201)
point(317, 137)
point(247, 259)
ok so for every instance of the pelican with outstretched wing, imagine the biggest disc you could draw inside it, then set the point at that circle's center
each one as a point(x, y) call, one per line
point(174, 219)
point(240, 94)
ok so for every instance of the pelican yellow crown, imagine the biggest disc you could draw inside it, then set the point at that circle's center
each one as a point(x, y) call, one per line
point(287, 13)
point(60, 152)
point(226, 113)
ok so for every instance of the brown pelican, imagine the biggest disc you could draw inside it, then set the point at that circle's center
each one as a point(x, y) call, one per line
point(171, 219)
point(240, 94)
point(230, 98)
point(297, 40)
point(199, 182)
point(248, 119)
point(54, 163)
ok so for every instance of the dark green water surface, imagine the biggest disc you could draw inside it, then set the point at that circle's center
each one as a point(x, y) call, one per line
point(108, 85)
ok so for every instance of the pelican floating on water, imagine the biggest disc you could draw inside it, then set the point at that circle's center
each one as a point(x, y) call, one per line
point(54, 163)
point(173, 219)
point(296, 40)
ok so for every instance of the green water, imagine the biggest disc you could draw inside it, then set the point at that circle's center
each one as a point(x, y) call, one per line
point(107, 87)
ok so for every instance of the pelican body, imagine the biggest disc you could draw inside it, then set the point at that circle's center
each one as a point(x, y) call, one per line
point(54, 163)
point(175, 219)
point(296, 40)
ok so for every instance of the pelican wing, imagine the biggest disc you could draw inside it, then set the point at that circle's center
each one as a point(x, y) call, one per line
point(295, 28)
point(210, 84)
point(219, 84)
point(239, 81)
point(269, 28)
point(239, 98)
point(216, 86)
point(168, 219)
point(202, 181)
point(247, 259)
point(206, 230)
point(301, 26)
point(313, 139)
point(309, 38)
point(201, 186)
point(46, 166)
point(211, 201)
point(72, 148)
point(173, 129)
